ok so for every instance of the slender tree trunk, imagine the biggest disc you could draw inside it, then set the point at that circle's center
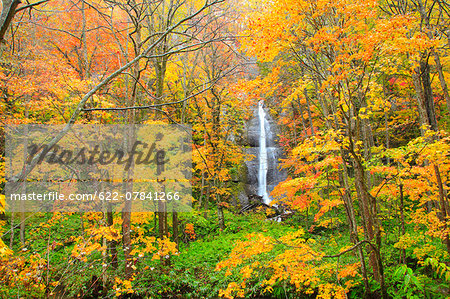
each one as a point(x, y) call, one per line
point(294, 114)
point(24, 186)
point(369, 222)
point(208, 194)
point(162, 208)
point(8, 12)
point(220, 216)
point(386, 119)
point(131, 118)
point(308, 107)
point(305, 132)
point(162, 220)
point(111, 245)
point(437, 60)
point(202, 188)
point(402, 220)
point(429, 31)
point(448, 39)
point(324, 106)
point(11, 237)
point(428, 93)
point(353, 226)
point(160, 64)
point(420, 96)
point(368, 203)
point(175, 225)
point(444, 211)
point(22, 218)
point(349, 208)
point(386, 134)
point(84, 65)
point(126, 228)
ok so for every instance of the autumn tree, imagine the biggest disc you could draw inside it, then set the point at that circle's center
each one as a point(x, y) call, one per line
point(330, 59)
point(216, 114)
point(125, 81)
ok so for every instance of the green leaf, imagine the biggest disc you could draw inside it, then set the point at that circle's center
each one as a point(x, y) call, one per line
point(407, 280)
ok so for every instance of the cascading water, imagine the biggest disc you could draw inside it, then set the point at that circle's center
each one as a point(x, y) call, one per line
point(263, 164)
point(262, 172)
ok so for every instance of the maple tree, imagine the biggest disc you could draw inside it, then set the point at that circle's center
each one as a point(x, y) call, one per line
point(332, 59)
point(358, 89)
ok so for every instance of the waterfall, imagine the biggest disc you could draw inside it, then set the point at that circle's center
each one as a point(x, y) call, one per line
point(261, 141)
point(263, 164)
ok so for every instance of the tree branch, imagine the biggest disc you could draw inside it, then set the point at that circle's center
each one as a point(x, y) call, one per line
point(28, 168)
point(30, 5)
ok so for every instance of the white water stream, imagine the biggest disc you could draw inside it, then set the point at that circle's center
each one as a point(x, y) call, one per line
point(263, 164)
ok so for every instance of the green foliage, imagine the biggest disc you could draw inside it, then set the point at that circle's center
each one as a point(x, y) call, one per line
point(406, 284)
point(441, 269)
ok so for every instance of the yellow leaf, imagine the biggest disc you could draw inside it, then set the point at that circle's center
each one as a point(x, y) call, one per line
point(345, 107)
point(2, 203)
point(4, 250)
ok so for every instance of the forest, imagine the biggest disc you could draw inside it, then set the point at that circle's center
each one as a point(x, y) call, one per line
point(318, 161)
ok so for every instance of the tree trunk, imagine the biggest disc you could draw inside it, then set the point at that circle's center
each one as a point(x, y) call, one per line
point(162, 208)
point(420, 96)
point(7, 15)
point(162, 220)
point(206, 202)
point(84, 63)
point(402, 219)
point(353, 226)
point(424, 14)
point(24, 187)
point(11, 237)
point(111, 245)
point(305, 132)
point(308, 107)
point(160, 64)
point(175, 224)
point(220, 216)
point(368, 217)
point(437, 60)
point(126, 212)
point(444, 211)
point(428, 93)
point(349, 207)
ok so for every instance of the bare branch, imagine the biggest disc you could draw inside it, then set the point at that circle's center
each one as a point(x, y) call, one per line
point(31, 5)
point(8, 12)
point(28, 168)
